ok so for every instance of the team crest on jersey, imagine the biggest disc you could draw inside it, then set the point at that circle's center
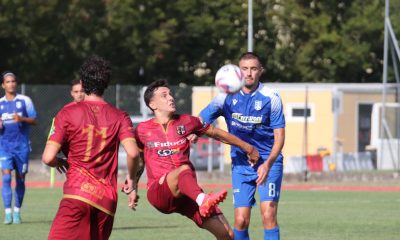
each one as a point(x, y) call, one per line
point(95, 109)
point(257, 105)
point(180, 130)
point(18, 105)
point(234, 101)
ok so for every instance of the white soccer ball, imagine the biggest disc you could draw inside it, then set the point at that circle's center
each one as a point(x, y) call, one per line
point(229, 79)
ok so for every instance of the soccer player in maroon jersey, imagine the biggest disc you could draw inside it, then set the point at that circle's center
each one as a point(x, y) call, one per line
point(90, 133)
point(172, 184)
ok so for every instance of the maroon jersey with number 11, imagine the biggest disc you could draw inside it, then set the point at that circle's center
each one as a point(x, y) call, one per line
point(92, 132)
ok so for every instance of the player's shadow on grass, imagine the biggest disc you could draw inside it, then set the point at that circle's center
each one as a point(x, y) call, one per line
point(143, 227)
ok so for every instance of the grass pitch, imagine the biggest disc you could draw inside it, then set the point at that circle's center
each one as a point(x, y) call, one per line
point(302, 215)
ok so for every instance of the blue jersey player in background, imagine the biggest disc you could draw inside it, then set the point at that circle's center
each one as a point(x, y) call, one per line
point(17, 114)
point(254, 114)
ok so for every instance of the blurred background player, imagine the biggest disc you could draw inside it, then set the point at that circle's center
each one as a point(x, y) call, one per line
point(17, 114)
point(172, 183)
point(254, 114)
point(90, 133)
point(77, 92)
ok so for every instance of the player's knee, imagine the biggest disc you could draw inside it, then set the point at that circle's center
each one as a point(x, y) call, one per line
point(269, 219)
point(6, 179)
point(241, 222)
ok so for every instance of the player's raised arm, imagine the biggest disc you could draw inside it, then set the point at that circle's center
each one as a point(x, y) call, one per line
point(230, 139)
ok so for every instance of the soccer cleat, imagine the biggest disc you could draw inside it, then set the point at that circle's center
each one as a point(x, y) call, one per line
point(8, 218)
point(16, 218)
point(210, 201)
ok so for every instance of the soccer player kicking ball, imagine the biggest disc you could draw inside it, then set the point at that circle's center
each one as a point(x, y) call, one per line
point(89, 133)
point(172, 184)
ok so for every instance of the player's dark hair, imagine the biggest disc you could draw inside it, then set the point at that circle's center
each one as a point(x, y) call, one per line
point(250, 55)
point(8, 73)
point(151, 88)
point(75, 82)
point(95, 75)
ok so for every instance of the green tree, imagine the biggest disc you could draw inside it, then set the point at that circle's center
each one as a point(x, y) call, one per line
point(187, 41)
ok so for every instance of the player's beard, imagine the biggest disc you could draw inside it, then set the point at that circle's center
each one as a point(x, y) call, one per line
point(251, 85)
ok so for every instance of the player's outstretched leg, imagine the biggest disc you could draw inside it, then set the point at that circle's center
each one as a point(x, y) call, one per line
point(210, 201)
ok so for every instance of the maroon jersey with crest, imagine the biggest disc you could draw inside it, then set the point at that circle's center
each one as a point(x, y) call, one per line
point(92, 132)
point(166, 148)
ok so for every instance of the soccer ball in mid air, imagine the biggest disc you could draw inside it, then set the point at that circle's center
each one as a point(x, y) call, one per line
point(229, 79)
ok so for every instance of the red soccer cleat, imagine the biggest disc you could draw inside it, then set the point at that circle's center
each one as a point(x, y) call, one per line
point(210, 201)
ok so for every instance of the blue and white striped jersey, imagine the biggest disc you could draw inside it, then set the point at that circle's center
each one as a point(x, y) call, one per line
point(15, 133)
point(251, 117)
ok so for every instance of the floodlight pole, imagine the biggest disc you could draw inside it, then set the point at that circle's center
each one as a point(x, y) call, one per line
point(384, 78)
point(250, 26)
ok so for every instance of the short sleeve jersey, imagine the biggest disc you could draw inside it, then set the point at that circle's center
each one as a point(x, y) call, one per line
point(251, 117)
point(14, 134)
point(92, 132)
point(166, 148)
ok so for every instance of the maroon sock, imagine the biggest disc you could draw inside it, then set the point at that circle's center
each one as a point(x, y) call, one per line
point(187, 183)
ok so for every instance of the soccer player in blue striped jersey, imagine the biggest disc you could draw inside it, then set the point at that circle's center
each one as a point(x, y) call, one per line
point(17, 114)
point(254, 114)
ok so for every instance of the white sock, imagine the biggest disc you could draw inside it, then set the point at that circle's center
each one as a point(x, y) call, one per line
point(8, 210)
point(16, 209)
point(200, 198)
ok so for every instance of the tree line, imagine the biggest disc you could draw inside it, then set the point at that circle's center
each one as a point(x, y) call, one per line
point(187, 41)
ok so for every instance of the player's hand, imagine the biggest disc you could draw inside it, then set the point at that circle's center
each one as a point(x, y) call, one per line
point(262, 173)
point(17, 117)
point(253, 156)
point(62, 165)
point(133, 199)
point(128, 186)
point(193, 138)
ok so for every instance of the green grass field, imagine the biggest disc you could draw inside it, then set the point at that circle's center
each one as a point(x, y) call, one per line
point(304, 215)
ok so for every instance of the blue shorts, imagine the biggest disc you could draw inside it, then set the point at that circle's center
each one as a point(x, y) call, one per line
point(244, 187)
point(15, 160)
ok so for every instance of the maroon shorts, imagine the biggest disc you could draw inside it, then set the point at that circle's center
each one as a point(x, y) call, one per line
point(78, 220)
point(160, 196)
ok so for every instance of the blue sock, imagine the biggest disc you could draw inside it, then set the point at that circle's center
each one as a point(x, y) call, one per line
point(19, 192)
point(272, 234)
point(241, 234)
point(6, 191)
